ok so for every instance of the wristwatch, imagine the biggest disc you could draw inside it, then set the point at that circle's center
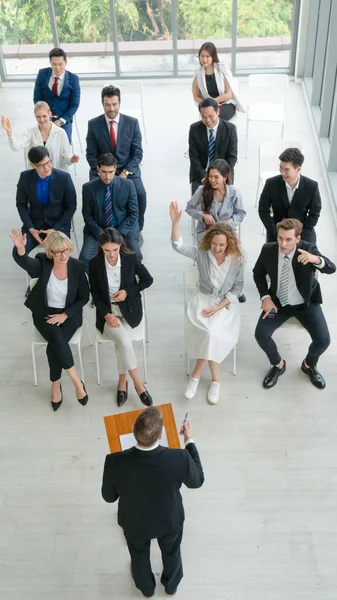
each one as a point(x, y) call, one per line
point(127, 172)
point(63, 121)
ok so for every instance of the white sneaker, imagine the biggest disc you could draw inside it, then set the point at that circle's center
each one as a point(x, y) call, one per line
point(191, 388)
point(213, 392)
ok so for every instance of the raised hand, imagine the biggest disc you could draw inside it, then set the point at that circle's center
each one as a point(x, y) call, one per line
point(306, 257)
point(18, 239)
point(7, 125)
point(175, 213)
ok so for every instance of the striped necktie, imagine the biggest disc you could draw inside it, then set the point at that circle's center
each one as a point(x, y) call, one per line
point(108, 207)
point(283, 291)
point(211, 146)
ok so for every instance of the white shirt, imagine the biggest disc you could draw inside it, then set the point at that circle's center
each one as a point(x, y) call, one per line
point(57, 145)
point(114, 125)
point(290, 191)
point(113, 275)
point(215, 129)
point(59, 83)
point(157, 444)
point(57, 291)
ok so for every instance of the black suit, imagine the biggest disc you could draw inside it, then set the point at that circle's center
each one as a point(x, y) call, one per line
point(58, 350)
point(305, 206)
point(226, 147)
point(56, 214)
point(309, 314)
point(131, 307)
point(148, 484)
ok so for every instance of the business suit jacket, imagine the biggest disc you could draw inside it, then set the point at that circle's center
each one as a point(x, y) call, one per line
point(66, 104)
point(305, 206)
point(306, 283)
point(60, 208)
point(226, 146)
point(41, 267)
point(128, 153)
point(124, 206)
point(147, 485)
point(131, 307)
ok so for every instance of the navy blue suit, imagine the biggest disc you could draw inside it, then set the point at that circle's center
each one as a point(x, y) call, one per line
point(125, 209)
point(56, 214)
point(128, 153)
point(66, 104)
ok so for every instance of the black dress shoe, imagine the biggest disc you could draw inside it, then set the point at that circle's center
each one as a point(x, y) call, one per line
point(272, 376)
point(145, 397)
point(122, 396)
point(315, 377)
point(242, 298)
point(56, 405)
point(85, 398)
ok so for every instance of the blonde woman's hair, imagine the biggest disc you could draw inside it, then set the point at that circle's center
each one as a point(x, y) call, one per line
point(222, 228)
point(56, 242)
point(41, 104)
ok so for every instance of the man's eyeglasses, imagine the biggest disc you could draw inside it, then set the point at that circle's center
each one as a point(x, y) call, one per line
point(44, 165)
point(60, 252)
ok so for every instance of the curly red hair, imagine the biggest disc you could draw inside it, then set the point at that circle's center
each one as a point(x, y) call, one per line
point(222, 228)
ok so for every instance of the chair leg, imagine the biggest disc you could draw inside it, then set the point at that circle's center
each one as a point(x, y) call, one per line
point(257, 193)
point(75, 236)
point(247, 127)
point(234, 360)
point(97, 364)
point(81, 363)
point(144, 359)
point(188, 366)
point(145, 136)
point(78, 135)
point(34, 365)
point(282, 132)
point(88, 330)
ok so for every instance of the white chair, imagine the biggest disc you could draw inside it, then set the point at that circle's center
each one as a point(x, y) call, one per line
point(131, 89)
point(268, 87)
point(101, 338)
point(38, 340)
point(191, 279)
point(268, 158)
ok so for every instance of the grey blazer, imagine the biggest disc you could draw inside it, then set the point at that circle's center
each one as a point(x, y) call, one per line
point(231, 209)
point(233, 284)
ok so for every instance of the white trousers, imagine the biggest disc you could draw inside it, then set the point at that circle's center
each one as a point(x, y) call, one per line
point(122, 336)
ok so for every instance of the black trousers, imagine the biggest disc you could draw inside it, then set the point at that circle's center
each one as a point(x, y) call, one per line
point(227, 111)
point(59, 354)
point(141, 566)
point(312, 319)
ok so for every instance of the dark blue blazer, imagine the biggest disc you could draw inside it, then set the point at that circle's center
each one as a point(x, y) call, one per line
point(124, 204)
point(129, 152)
point(66, 104)
point(60, 208)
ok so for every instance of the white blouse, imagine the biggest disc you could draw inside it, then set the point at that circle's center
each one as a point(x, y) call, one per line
point(57, 291)
point(57, 145)
point(114, 276)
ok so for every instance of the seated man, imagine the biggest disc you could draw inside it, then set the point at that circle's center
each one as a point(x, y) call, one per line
point(45, 199)
point(109, 201)
point(290, 195)
point(119, 135)
point(292, 291)
point(60, 89)
point(209, 139)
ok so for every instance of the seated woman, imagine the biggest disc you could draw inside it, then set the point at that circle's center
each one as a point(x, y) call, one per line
point(116, 279)
point(57, 302)
point(212, 323)
point(45, 133)
point(215, 80)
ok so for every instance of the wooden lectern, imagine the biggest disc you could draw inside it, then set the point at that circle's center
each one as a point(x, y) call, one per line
point(122, 423)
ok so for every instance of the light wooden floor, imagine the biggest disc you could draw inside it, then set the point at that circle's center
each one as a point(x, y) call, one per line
point(264, 526)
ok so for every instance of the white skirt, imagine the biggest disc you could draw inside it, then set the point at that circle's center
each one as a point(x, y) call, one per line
point(211, 338)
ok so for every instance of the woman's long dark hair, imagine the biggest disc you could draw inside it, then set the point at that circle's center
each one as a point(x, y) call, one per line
point(211, 49)
point(224, 169)
point(110, 235)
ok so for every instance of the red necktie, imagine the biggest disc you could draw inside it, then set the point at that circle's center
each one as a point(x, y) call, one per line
point(112, 134)
point(54, 88)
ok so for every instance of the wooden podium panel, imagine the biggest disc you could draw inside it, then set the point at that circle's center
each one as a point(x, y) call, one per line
point(122, 423)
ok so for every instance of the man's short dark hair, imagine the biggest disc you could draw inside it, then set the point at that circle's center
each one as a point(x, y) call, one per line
point(111, 90)
point(289, 224)
point(148, 427)
point(57, 53)
point(208, 102)
point(293, 155)
point(37, 153)
point(106, 160)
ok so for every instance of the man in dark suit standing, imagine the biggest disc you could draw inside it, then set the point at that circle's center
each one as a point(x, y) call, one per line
point(290, 195)
point(119, 135)
point(209, 139)
point(291, 266)
point(147, 479)
point(60, 89)
point(109, 201)
point(45, 199)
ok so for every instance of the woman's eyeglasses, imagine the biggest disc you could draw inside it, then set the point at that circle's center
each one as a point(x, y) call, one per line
point(60, 252)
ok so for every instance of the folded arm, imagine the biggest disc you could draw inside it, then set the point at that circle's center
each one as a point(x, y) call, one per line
point(196, 201)
point(314, 209)
point(265, 204)
point(74, 100)
point(82, 296)
point(69, 206)
point(144, 280)
point(136, 150)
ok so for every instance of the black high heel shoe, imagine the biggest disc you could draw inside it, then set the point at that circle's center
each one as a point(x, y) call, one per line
point(56, 405)
point(85, 398)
